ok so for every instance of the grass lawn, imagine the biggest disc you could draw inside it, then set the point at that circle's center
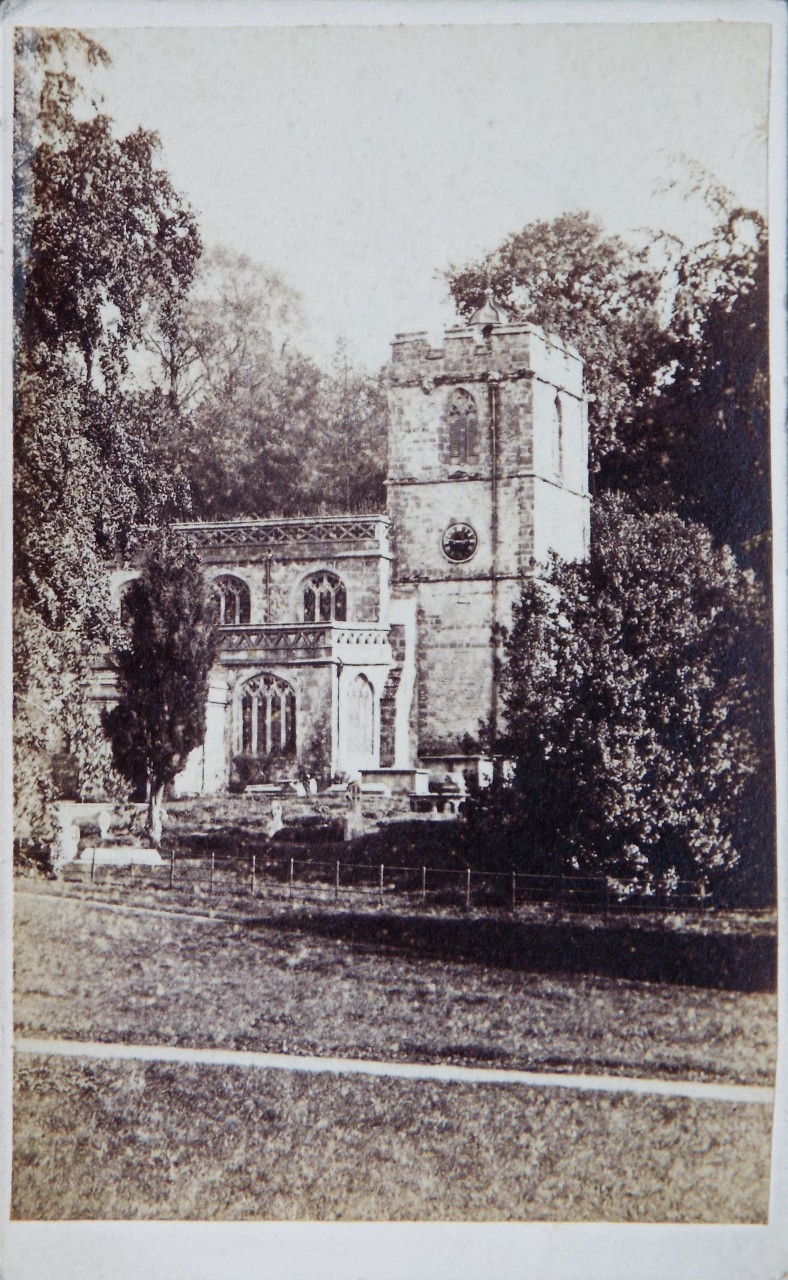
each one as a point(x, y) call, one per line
point(103, 1139)
point(261, 983)
point(126, 1140)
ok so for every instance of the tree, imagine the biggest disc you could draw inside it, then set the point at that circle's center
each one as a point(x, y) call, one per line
point(596, 292)
point(261, 430)
point(162, 669)
point(104, 255)
point(637, 709)
point(710, 419)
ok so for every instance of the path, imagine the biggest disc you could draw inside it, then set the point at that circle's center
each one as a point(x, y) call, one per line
point(758, 1094)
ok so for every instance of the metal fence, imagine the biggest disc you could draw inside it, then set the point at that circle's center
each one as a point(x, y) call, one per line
point(348, 883)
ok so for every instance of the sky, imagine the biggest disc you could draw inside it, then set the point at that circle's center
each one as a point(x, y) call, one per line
point(361, 163)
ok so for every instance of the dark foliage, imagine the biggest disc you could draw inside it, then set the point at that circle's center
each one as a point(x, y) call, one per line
point(637, 697)
point(162, 670)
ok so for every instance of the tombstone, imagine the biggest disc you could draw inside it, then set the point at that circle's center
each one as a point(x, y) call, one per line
point(104, 824)
point(275, 822)
point(300, 789)
point(312, 786)
point(68, 836)
point(354, 822)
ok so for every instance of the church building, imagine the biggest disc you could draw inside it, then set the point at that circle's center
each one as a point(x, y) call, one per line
point(363, 646)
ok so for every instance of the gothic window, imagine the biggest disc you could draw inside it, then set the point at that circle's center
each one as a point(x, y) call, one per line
point(325, 599)
point(267, 716)
point(230, 598)
point(463, 425)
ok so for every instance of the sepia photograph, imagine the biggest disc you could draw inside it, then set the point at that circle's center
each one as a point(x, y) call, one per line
point(395, 618)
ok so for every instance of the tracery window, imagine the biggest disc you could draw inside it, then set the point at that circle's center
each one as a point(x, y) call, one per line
point(325, 599)
point(463, 425)
point(268, 723)
point(231, 603)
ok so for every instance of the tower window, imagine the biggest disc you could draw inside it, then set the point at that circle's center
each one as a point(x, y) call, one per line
point(231, 604)
point(325, 599)
point(557, 439)
point(463, 425)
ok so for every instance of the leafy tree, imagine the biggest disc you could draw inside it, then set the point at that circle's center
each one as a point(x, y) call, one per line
point(593, 290)
point(162, 667)
point(262, 430)
point(104, 254)
point(710, 419)
point(637, 710)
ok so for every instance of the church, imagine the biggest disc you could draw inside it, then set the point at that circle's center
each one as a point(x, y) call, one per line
point(365, 646)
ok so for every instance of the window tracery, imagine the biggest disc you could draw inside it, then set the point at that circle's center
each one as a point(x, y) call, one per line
point(325, 598)
point(231, 601)
point(268, 720)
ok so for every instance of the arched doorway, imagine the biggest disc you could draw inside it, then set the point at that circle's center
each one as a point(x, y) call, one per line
point(359, 724)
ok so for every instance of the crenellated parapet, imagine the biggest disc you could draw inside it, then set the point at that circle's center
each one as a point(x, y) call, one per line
point(471, 353)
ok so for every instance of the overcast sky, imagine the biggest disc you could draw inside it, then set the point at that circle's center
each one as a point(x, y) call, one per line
point(361, 162)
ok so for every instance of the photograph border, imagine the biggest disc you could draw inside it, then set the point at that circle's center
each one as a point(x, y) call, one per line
point(379, 1251)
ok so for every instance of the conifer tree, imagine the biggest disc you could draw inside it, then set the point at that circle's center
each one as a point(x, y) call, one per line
point(162, 669)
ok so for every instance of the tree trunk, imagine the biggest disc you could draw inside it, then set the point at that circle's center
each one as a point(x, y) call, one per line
point(153, 829)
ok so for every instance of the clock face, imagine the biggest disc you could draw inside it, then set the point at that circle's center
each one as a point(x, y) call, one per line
point(459, 542)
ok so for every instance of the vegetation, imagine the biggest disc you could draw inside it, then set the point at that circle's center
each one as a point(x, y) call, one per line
point(262, 430)
point(162, 671)
point(104, 255)
point(166, 979)
point(638, 686)
point(637, 699)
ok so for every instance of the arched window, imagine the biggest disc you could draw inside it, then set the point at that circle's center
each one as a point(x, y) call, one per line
point(325, 599)
point(267, 716)
point(556, 427)
point(230, 598)
point(463, 425)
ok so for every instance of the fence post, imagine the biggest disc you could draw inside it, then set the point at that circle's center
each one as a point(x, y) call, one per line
point(514, 890)
point(291, 878)
point(210, 882)
point(702, 893)
point(172, 866)
point(131, 871)
point(381, 885)
point(423, 885)
point(336, 885)
point(468, 890)
point(254, 866)
point(93, 866)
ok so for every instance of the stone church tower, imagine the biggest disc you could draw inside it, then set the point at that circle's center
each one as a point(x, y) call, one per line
point(487, 475)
